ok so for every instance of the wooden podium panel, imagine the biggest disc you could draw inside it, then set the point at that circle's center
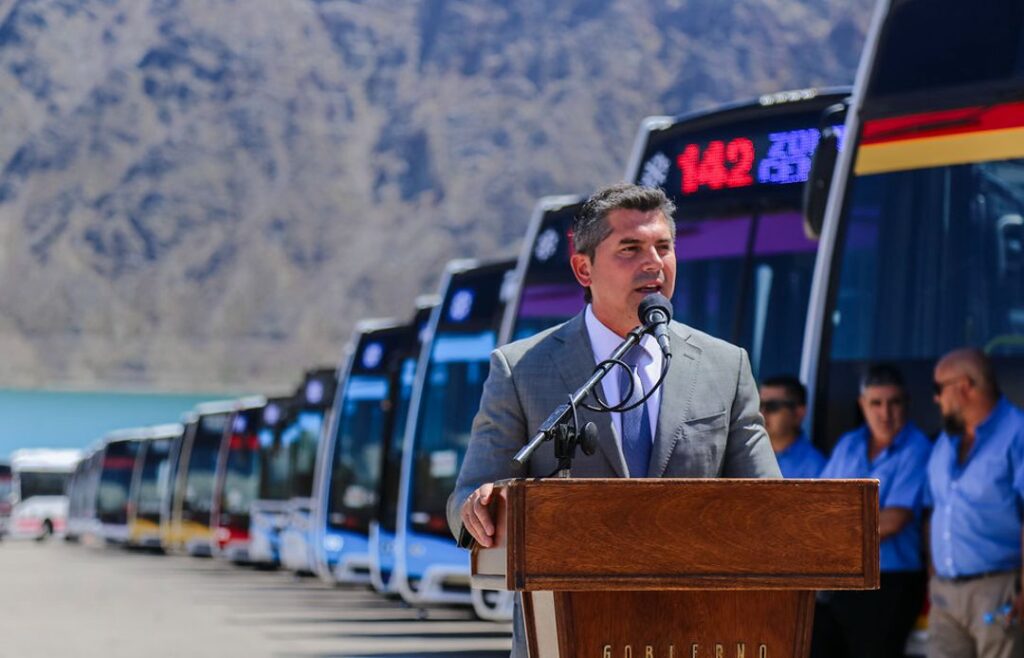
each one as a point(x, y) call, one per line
point(662, 568)
point(620, 534)
point(671, 624)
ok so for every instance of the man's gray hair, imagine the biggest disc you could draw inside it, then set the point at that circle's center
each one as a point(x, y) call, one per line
point(590, 226)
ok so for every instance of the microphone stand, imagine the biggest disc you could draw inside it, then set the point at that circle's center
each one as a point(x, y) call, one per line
point(562, 425)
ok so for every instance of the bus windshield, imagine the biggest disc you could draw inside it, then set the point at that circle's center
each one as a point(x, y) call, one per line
point(242, 465)
point(929, 240)
point(451, 394)
point(202, 467)
point(300, 440)
point(115, 481)
point(274, 480)
point(41, 483)
point(931, 260)
point(356, 469)
point(154, 462)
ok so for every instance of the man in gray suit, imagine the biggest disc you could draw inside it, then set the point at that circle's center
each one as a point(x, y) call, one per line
point(703, 422)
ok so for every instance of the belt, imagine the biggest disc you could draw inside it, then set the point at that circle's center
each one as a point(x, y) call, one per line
point(975, 576)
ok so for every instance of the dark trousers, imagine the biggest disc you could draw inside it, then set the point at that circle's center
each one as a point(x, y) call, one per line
point(869, 624)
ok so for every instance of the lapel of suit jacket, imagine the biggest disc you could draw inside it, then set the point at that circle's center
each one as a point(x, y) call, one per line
point(676, 393)
point(575, 363)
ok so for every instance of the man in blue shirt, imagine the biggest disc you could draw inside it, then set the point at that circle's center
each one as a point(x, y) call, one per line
point(784, 405)
point(975, 486)
point(875, 624)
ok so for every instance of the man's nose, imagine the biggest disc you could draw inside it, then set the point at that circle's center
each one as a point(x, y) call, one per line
point(654, 261)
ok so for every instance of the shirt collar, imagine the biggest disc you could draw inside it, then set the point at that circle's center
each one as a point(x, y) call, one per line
point(603, 340)
point(798, 444)
point(897, 442)
point(994, 418)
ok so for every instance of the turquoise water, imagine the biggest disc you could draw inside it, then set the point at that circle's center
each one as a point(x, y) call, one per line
point(61, 419)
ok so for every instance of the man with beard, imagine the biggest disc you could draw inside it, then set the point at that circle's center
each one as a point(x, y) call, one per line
point(975, 486)
point(889, 448)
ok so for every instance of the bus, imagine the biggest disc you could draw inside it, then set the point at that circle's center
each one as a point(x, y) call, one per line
point(463, 330)
point(301, 439)
point(38, 497)
point(238, 480)
point(920, 212)
point(922, 228)
point(82, 523)
point(348, 483)
point(150, 484)
point(192, 494)
point(120, 449)
point(6, 486)
point(267, 513)
point(402, 376)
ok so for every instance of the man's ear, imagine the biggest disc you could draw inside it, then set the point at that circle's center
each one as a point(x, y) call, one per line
point(581, 269)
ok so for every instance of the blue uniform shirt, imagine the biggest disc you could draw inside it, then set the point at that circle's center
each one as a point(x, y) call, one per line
point(976, 522)
point(900, 471)
point(800, 459)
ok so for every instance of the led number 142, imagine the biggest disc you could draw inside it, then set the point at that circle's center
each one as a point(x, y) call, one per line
point(721, 165)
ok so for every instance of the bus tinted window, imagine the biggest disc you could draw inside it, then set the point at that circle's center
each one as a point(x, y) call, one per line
point(41, 483)
point(274, 480)
point(465, 333)
point(932, 259)
point(549, 294)
point(242, 466)
point(300, 440)
point(357, 451)
point(458, 368)
point(202, 466)
point(115, 481)
point(153, 466)
point(929, 45)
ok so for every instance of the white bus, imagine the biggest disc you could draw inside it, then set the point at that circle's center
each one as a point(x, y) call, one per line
point(39, 502)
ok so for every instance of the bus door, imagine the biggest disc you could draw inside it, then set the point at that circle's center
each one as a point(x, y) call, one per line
point(429, 567)
point(402, 376)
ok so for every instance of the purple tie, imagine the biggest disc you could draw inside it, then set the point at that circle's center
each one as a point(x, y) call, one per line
point(636, 424)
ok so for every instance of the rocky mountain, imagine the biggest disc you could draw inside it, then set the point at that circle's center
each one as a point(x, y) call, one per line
point(209, 193)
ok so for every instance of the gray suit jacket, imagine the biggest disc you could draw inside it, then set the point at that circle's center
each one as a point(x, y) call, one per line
point(709, 423)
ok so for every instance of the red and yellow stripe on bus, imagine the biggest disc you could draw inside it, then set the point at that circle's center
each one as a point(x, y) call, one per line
point(944, 138)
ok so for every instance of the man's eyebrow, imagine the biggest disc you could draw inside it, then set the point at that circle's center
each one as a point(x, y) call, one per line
point(630, 241)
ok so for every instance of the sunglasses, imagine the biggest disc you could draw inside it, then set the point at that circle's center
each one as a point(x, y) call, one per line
point(771, 406)
point(938, 387)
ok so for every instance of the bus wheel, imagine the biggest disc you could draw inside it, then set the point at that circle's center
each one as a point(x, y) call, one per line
point(47, 531)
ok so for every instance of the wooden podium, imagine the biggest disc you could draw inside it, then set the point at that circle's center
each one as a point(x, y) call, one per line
point(664, 568)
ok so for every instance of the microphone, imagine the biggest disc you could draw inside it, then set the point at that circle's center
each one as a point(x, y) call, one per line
point(654, 312)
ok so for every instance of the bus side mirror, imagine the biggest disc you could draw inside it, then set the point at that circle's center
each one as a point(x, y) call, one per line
point(819, 181)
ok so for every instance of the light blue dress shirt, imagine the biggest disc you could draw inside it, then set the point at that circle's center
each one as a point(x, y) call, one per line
point(900, 471)
point(800, 459)
point(976, 521)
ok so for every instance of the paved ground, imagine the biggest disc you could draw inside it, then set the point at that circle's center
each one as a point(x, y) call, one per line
point(60, 599)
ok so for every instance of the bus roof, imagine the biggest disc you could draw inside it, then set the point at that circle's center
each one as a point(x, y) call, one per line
point(45, 459)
